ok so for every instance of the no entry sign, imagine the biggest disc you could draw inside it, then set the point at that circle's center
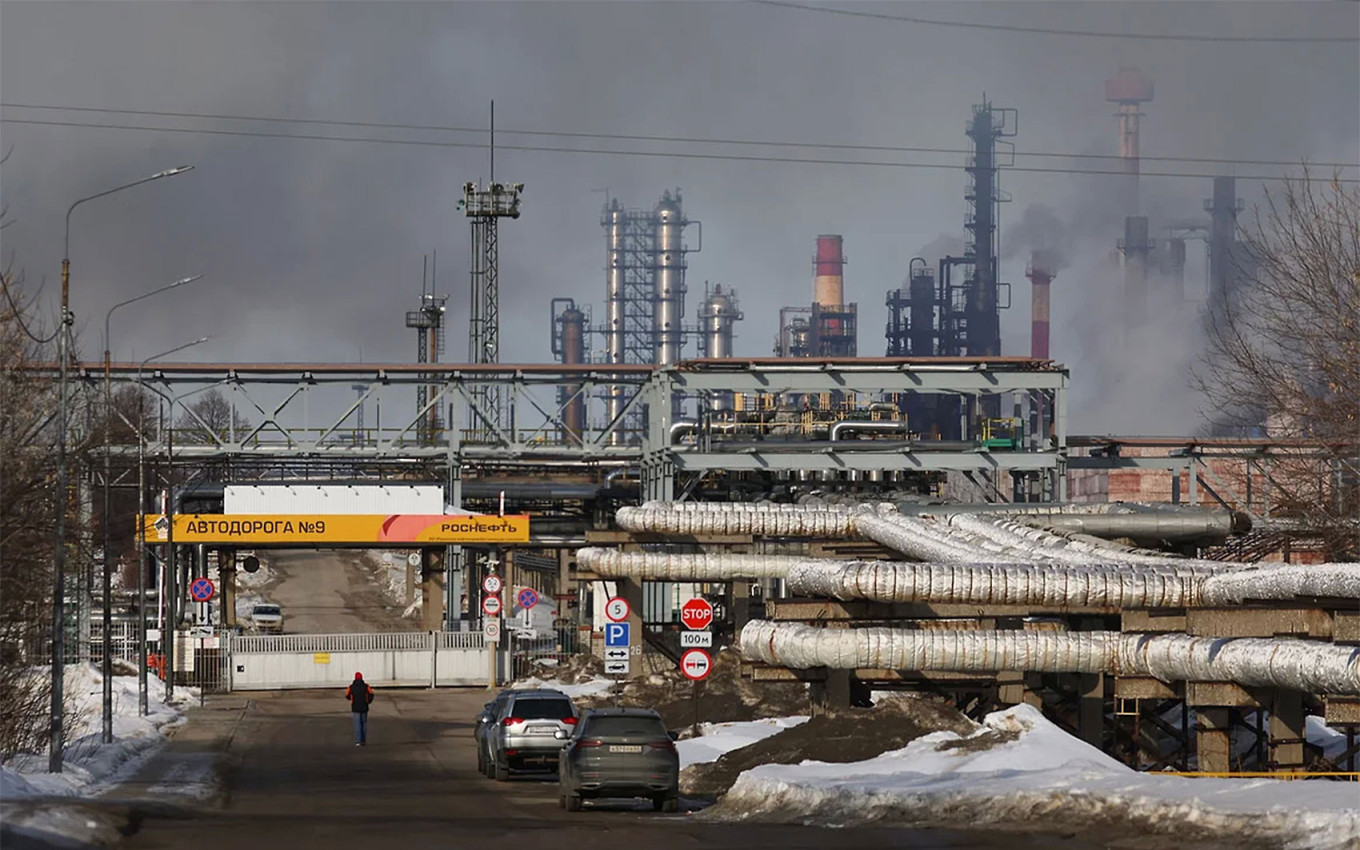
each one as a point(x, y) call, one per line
point(696, 664)
point(696, 614)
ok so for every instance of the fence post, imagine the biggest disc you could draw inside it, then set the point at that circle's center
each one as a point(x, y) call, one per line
point(434, 660)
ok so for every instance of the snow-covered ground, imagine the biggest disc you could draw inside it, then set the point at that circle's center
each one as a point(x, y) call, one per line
point(1032, 771)
point(717, 739)
point(91, 766)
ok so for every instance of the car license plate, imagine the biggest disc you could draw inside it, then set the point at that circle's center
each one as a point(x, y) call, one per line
point(541, 730)
point(625, 748)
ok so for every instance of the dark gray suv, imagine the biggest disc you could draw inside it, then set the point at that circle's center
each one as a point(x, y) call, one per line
point(620, 752)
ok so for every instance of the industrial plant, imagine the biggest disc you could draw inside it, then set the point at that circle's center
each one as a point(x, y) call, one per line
point(917, 516)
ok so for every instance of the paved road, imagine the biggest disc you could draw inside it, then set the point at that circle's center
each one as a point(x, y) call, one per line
point(294, 780)
point(329, 591)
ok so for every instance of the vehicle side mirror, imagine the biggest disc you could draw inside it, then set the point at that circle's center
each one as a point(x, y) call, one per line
point(674, 736)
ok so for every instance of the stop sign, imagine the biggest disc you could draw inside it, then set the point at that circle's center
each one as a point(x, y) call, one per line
point(696, 614)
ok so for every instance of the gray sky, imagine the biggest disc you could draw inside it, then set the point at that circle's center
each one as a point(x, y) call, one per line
point(311, 250)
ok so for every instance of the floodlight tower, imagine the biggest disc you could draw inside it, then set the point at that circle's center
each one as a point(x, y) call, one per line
point(486, 207)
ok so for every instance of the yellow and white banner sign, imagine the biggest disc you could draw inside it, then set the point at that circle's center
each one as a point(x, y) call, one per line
point(338, 529)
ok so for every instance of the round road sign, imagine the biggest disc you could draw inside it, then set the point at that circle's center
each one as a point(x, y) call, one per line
point(413, 559)
point(491, 606)
point(491, 630)
point(201, 590)
point(527, 598)
point(492, 584)
point(696, 664)
point(696, 614)
point(617, 609)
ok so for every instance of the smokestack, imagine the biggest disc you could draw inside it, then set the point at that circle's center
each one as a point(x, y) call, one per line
point(1040, 274)
point(828, 285)
point(1136, 249)
point(1128, 89)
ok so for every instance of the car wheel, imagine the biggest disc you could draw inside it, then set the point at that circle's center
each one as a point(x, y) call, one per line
point(573, 802)
point(501, 772)
point(669, 805)
point(481, 761)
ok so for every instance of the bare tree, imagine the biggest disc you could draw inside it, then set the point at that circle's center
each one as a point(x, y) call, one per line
point(27, 504)
point(1283, 352)
point(209, 419)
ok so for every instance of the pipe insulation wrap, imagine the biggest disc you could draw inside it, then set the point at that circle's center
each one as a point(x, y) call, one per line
point(801, 647)
point(1298, 665)
point(1308, 666)
point(1058, 586)
point(804, 523)
point(1286, 581)
point(668, 566)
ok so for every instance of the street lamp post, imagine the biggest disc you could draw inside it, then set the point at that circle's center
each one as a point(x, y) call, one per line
point(142, 702)
point(57, 734)
point(108, 474)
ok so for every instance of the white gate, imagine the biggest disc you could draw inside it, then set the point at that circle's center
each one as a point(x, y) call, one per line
point(279, 662)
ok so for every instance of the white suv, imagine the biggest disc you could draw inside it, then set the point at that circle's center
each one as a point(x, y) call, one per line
point(267, 618)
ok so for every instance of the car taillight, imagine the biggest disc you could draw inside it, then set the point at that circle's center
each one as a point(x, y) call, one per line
point(589, 742)
point(662, 745)
point(570, 721)
point(511, 721)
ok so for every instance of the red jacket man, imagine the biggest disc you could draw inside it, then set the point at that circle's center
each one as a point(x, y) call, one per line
point(359, 695)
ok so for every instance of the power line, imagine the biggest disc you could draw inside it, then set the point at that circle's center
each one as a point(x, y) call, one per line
point(648, 138)
point(661, 154)
point(934, 22)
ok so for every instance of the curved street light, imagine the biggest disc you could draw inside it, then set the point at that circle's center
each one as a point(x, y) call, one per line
point(142, 706)
point(57, 736)
point(107, 667)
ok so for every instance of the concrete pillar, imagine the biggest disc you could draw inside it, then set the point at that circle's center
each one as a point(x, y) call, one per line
point(1213, 739)
point(632, 591)
point(739, 603)
point(1286, 731)
point(432, 588)
point(1091, 716)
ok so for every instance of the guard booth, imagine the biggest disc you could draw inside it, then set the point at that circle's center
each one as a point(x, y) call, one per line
point(225, 660)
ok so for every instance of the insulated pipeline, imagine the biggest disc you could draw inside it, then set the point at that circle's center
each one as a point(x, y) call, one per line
point(1055, 586)
point(667, 566)
point(805, 522)
point(1308, 666)
point(1284, 581)
point(801, 647)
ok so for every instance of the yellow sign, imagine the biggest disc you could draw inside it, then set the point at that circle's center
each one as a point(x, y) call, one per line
point(321, 658)
point(338, 529)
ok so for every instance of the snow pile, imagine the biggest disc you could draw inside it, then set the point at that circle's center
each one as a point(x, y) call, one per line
point(717, 739)
point(91, 766)
point(588, 688)
point(1019, 767)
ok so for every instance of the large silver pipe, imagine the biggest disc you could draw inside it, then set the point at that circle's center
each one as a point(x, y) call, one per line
point(666, 566)
point(1308, 666)
point(1215, 526)
point(669, 309)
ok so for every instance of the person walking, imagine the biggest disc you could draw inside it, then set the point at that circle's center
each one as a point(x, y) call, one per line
point(359, 695)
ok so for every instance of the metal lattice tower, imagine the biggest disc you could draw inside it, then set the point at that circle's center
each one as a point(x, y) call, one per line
point(486, 207)
point(429, 324)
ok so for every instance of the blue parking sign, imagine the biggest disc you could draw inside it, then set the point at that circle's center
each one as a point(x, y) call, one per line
point(616, 634)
